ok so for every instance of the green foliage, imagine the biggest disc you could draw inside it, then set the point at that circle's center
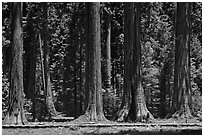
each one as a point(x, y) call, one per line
point(157, 49)
point(6, 56)
point(196, 59)
point(5, 93)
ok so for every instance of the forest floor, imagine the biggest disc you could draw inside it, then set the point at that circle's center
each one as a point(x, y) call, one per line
point(159, 127)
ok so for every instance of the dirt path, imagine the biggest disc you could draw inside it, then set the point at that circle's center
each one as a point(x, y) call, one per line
point(102, 128)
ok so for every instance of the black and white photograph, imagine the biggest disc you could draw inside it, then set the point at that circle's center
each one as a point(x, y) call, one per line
point(101, 68)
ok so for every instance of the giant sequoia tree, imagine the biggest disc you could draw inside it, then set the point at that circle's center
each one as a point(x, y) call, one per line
point(139, 103)
point(133, 104)
point(15, 114)
point(182, 90)
point(94, 110)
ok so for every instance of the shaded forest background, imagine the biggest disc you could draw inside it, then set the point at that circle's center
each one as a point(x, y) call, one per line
point(67, 41)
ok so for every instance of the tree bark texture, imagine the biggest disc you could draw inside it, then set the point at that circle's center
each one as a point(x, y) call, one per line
point(42, 63)
point(122, 114)
point(94, 110)
point(133, 106)
point(15, 114)
point(48, 92)
point(138, 92)
point(108, 52)
point(182, 89)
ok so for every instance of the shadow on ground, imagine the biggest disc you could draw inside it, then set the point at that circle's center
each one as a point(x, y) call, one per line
point(133, 132)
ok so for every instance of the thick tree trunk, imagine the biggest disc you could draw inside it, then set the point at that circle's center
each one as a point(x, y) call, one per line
point(128, 31)
point(142, 114)
point(48, 92)
point(182, 88)
point(133, 104)
point(15, 113)
point(94, 111)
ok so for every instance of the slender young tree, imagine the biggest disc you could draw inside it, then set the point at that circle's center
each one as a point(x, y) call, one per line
point(48, 92)
point(15, 114)
point(94, 110)
point(75, 82)
point(181, 106)
point(133, 104)
point(108, 50)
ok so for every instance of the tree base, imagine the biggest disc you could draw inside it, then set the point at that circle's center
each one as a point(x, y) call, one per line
point(87, 118)
point(15, 119)
point(182, 115)
point(124, 115)
point(145, 118)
